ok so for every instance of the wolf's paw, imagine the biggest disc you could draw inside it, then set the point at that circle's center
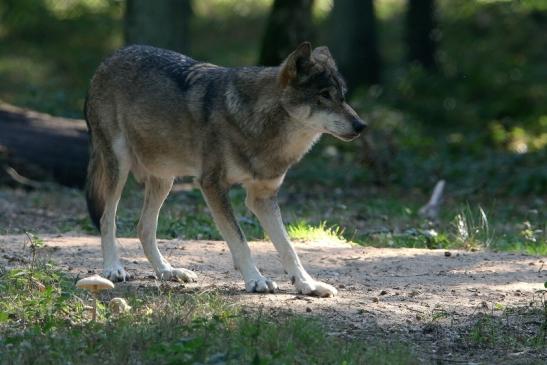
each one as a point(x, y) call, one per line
point(316, 289)
point(183, 275)
point(115, 272)
point(261, 285)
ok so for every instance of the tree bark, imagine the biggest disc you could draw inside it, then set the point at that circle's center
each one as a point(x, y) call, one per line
point(420, 24)
point(163, 24)
point(354, 42)
point(289, 24)
point(40, 146)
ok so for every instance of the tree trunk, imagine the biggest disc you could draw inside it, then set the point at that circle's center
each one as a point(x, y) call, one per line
point(41, 147)
point(163, 24)
point(289, 24)
point(354, 41)
point(420, 24)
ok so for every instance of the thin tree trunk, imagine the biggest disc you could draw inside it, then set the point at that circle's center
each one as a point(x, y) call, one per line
point(289, 24)
point(420, 24)
point(354, 42)
point(163, 23)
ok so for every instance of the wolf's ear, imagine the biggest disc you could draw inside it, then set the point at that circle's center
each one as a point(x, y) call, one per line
point(297, 63)
point(323, 55)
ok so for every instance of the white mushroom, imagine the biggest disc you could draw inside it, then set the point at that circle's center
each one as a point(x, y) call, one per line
point(94, 284)
point(119, 306)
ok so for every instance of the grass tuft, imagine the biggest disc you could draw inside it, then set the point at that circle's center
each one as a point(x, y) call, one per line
point(301, 230)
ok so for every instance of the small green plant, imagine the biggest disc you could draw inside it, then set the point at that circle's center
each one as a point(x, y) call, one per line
point(531, 234)
point(514, 328)
point(541, 338)
point(32, 272)
point(35, 243)
point(485, 331)
point(301, 230)
point(472, 230)
point(41, 299)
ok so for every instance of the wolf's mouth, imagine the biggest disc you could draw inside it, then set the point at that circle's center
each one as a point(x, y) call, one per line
point(347, 137)
point(343, 133)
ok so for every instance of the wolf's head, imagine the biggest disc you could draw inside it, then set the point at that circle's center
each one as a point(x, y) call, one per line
point(314, 93)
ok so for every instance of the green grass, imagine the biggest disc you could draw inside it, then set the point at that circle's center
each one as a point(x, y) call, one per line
point(464, 227)
point(511, 328)
point(320, 233)
point(369, 217)
point(478, 125)
point(186, 216)
point(43, 320)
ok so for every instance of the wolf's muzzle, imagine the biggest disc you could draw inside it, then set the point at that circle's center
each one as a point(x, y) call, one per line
point(358, 125)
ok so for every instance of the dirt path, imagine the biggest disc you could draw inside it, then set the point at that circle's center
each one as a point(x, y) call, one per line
point(422, 295)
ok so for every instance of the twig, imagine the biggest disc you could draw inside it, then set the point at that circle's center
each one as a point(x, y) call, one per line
point(431, 209)
point(20, 179)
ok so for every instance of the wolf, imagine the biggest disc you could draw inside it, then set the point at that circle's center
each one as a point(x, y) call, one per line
point(159, 115)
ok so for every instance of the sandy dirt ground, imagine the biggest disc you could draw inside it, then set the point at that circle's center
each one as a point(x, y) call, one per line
point(425, 296)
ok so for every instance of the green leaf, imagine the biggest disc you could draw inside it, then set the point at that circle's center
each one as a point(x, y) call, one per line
point(3, 317)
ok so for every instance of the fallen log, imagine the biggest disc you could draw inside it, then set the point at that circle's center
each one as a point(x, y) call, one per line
point(41, 147)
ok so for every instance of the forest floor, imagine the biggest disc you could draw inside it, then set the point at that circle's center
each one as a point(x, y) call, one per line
point(446, 305)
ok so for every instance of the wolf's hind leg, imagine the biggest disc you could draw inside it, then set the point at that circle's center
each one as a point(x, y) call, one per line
point(112, 267)
point(217, 200)
point(155, 193)
point(263, 203)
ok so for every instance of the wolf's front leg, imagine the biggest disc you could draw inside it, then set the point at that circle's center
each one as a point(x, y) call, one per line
point(217, 200)
point(263, 203)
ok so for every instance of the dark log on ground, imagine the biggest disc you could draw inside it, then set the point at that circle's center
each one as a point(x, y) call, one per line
point(40, 146)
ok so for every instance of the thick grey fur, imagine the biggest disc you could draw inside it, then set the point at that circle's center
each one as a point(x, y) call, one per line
point(159, 114)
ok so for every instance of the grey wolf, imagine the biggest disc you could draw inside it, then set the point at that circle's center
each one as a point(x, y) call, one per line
point(159, 114)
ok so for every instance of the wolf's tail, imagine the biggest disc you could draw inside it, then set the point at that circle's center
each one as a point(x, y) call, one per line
point(96, 182)
point(95, 190)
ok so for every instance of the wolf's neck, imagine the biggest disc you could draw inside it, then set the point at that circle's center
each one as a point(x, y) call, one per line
point(298, 145)
point(276, 138)
point(289, 141)
point(292, 140)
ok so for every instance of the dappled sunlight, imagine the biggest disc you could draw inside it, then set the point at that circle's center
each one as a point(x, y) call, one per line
point(385, 285)
point(520, 140)
point(516, 287)
point(452, 91)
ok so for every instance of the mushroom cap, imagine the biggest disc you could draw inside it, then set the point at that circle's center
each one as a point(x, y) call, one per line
point(94, 283)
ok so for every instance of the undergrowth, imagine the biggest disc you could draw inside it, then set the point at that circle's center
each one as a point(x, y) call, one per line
point(44, 320)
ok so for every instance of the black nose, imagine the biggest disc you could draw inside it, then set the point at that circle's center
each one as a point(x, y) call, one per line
point(358, 125)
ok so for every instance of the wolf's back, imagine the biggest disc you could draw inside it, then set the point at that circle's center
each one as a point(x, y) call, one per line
point(134, 72)
point(141, 66)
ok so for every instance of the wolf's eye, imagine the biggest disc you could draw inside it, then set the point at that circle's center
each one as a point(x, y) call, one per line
point(325, 94)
